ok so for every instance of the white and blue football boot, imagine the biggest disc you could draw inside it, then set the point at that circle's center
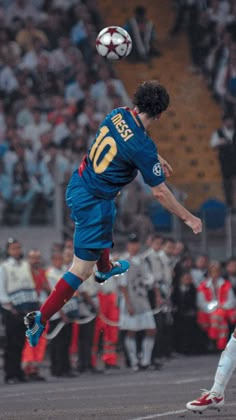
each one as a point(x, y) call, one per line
point(118, 268)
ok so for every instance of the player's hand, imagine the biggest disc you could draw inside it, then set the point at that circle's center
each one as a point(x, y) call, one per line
point(194, 223)
point(166, 167)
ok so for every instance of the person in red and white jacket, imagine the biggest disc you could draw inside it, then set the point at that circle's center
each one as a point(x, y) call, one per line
point(216, 305)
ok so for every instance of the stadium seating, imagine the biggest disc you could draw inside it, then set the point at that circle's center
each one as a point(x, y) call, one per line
point(183, 133)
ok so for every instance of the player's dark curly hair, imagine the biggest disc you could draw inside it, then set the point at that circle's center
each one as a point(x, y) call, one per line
point(152, 98)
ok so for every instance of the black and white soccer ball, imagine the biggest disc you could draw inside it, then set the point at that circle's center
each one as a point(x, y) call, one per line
point(114, 43)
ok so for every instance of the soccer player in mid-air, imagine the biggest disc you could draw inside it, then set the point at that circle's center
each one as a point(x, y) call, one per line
point(121, 148)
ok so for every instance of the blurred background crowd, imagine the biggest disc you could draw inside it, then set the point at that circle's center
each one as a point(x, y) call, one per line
point(54, 92)
point(168, 303)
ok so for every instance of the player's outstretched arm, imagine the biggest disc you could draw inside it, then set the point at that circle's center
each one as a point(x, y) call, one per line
point(167, 199)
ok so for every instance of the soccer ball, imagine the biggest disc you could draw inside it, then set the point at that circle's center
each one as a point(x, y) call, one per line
point(113, 43)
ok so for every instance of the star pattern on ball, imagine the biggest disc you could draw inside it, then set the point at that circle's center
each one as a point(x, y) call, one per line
point(112, 31)
point(114, 43)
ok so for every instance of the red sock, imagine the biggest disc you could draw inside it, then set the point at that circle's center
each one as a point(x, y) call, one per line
point(61, 293)
point(103, 264)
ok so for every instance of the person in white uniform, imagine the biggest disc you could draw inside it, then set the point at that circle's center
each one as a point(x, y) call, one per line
point(135, 308)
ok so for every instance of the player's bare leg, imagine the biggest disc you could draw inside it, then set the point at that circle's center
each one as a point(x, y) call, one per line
point(215, 397)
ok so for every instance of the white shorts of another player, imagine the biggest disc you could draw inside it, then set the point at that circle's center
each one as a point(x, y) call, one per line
point(137, 322)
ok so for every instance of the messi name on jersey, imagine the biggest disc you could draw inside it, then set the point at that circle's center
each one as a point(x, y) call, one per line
point(121, 126)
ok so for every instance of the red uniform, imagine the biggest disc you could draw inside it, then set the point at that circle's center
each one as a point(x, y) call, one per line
point(108, 308)
point(216, 322)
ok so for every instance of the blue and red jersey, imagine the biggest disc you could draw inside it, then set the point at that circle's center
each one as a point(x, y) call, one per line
point(120, 149)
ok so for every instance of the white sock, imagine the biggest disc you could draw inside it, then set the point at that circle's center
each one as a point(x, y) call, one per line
point(147, 347)
point(130, 345)
point(226, 367)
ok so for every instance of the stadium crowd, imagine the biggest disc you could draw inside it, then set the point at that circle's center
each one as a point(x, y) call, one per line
point(167, 303)
point(211, 29)
point(54, 92)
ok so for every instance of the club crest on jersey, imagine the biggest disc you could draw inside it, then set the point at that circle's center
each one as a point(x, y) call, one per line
point(157, 169)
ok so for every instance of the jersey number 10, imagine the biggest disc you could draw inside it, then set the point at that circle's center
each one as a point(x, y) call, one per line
point(102, 141)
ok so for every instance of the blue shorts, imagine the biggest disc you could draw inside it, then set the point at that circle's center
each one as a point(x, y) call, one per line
point(94, 218)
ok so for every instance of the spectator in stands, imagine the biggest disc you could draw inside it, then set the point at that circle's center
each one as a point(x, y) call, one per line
point(60, 4)
point(25, 114)
point(5, 190)
point(31, 58)
point(184, 299)
point(2, 124)
point(89, 120)
point(200, 269)
point(44, 81)
point(78, 33)
point(54, 163)
point(21, 9)
point(230, 94)
point(53, 28)
point(224, 141)
point(31, 132)
point(24, 191)
point(219, 11)
point(143, 35)
point(8, 80)
point(75, 91)
point(186, 13)
point(218, 55)
point(17, 297)
point(225, 81)
point(28, 34)
point(216, 306)
point(135, 310)
point(201, 37)
point(60, 58)
point(99, 88)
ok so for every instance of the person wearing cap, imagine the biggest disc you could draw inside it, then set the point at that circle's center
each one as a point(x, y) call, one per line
point(17, 297)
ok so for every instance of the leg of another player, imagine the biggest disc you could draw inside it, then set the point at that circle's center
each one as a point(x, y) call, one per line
point(131, 348)
point(147, 348)
point(215, 397)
